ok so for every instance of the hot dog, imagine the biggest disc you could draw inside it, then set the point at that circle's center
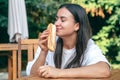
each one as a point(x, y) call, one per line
point(51, 44)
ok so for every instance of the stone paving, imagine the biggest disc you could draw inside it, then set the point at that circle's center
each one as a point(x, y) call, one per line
point(4, 75)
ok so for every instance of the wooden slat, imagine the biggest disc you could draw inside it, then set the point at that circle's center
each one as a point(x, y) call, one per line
point(29, 41)
point(8, 47)
point(35, 48)
point(30, 52)
point(19, 59)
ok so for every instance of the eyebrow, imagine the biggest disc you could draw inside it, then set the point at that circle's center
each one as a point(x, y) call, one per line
point(61, 17)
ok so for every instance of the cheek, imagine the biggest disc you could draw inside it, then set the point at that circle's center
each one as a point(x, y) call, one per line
point(69, 27)
point(65, 31)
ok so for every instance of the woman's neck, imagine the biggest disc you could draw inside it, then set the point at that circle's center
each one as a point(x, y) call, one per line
point(69, 42)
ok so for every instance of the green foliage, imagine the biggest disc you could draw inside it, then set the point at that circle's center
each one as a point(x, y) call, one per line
point(41, 13)
point(3, 13)
point(102, 38)
point(108, 37)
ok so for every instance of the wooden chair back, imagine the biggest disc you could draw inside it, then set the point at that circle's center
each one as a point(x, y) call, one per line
point(26, 44)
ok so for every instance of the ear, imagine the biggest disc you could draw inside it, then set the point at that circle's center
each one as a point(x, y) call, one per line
point(77, 26)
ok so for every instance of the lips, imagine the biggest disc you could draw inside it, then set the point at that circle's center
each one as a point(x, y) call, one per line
point(58, 28)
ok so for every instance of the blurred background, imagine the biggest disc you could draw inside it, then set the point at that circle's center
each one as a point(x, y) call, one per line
point(104, 16)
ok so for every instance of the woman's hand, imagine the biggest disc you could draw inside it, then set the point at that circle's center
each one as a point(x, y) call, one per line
point(43, 40)
point(48, 71)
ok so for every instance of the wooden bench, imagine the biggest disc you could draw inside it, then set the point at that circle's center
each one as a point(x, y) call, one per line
point(11, 49)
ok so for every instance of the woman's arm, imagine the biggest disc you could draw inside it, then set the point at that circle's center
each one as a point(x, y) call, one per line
point(39, 62)
point(43, 53)
point(98, 70)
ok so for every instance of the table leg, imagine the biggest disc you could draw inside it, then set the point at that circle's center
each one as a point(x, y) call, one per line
point(14, 54)
point(10, 68)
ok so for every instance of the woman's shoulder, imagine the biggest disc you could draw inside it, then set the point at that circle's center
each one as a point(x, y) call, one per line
point(92, 48)
point(93, 54)
point(92, 45)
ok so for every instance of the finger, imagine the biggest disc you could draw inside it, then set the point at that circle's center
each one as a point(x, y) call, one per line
point(40, 71)
point(47, 76)
point(45, 32)
point(46, 67)
point(43, 41)
point(44, 74)
point(44, 35)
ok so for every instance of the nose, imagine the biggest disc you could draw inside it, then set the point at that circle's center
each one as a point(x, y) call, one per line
point(57, 22)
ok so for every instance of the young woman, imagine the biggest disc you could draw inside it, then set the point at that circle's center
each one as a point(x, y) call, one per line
point(76, 54)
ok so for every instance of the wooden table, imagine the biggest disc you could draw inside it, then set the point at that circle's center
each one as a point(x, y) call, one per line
point(114, 76)
point(39, 78)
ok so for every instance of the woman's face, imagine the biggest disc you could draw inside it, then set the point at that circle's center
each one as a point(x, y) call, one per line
point(65, 23)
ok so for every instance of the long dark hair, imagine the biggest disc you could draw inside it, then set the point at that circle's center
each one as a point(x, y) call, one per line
point(83, 35)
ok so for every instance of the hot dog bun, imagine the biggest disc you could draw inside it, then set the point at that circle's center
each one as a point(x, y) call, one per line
point(51, 37)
